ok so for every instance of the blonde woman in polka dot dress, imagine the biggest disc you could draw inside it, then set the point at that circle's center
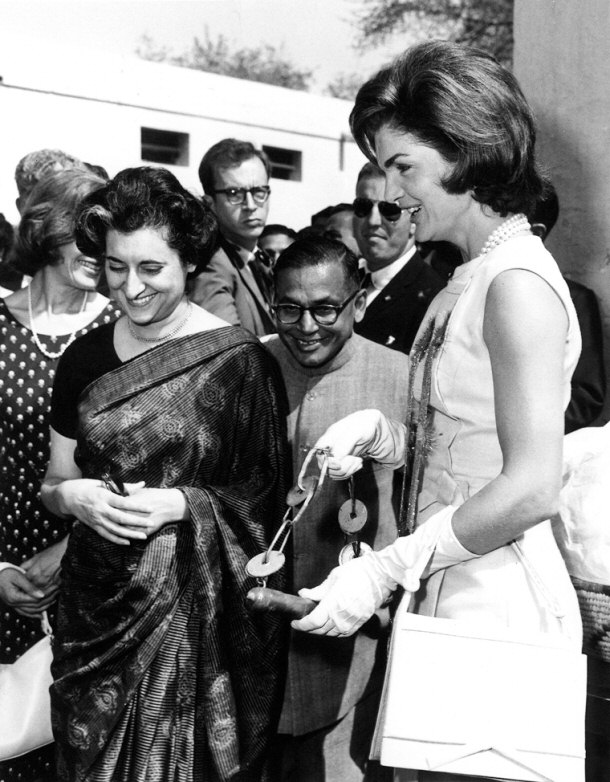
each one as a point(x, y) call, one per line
point(36, 325)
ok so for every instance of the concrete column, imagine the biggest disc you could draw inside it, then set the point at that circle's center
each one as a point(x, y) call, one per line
point(561, 60)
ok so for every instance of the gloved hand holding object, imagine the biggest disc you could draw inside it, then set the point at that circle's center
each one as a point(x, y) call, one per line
point(366, 433)
point(353, 592)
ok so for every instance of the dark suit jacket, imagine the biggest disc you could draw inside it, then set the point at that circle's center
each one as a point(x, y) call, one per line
point(393, 317)
point(226, 288)
point(589, 379)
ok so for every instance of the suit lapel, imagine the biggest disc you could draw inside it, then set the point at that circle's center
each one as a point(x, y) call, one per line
point(247, 278)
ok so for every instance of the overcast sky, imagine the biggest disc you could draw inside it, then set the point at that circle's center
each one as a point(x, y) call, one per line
point(316, 35)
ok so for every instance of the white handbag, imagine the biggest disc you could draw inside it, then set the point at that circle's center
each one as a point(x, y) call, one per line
point(25, 707)
point(457, 699)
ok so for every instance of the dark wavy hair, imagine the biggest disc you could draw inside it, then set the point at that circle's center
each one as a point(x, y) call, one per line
point(468, 107)
point(148, 197)
point(49, 218)
point(317, 251)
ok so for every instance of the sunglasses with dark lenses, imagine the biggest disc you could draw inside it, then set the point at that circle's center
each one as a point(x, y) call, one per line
point(389, 210)
point(237, 195)
point(323, 314)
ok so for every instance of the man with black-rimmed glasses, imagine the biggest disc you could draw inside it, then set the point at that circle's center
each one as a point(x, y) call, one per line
point(333, 684)
point(399, 283)
point(235, 284)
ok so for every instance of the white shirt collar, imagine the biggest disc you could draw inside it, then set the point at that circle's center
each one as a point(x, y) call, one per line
point(381, 277)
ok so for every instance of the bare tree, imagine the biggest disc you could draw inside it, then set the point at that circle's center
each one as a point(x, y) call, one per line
point(264, 63)
point(487, 24)
point(344, 86)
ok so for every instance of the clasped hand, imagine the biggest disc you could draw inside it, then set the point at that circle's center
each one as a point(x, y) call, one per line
point(120, 519)
point(32, 591)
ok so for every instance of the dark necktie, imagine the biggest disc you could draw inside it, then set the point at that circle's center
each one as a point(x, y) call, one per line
point(259, 265)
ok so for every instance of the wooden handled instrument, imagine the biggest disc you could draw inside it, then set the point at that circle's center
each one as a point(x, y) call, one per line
point(265, 599)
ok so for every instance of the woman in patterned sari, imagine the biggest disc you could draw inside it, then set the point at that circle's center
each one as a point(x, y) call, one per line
point(169, 450)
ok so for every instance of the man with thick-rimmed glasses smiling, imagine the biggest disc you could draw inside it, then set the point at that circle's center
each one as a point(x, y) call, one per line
point(235, 284)
point(333, 685)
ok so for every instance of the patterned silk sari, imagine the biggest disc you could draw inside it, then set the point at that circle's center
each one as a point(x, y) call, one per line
point(160, 672)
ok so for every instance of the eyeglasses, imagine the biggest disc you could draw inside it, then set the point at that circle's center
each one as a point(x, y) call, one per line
point(237, 195)
point(323, 314)
point(389, 210)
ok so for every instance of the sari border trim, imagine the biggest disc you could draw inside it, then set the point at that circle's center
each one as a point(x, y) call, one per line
point(162, 362)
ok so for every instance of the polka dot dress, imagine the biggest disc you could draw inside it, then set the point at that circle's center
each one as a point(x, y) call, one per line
point(26, 527)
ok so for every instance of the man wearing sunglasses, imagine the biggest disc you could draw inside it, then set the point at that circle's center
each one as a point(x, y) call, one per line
point(399, 284)
point(333, 684)
point(236, 283)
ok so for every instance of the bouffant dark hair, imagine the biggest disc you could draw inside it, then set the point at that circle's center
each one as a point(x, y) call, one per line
point(48, 221)
point(148, 197)
point(464, 104)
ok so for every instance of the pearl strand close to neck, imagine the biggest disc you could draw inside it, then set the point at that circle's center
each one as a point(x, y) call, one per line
point(165, 337)
point(515, 225)
point(39, 344)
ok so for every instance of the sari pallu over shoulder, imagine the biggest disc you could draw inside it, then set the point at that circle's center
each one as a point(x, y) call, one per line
point(160, 672)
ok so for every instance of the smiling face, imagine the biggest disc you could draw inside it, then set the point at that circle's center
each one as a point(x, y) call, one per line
point(78, 270)
point(414, 174)
point(381, 242)
point(311, 344)
point(241, 223)
point(146, 276)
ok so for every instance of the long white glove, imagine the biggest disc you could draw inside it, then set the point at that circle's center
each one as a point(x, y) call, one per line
point(364, 433)
point(353, 592)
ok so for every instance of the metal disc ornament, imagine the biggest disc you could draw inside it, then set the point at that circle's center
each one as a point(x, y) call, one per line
point(352, 516)
point(348, 552)
point(297, 496)
point(264, 564)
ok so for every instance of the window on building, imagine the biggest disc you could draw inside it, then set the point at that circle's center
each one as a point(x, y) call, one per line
point(166, 147)
point(285, 163)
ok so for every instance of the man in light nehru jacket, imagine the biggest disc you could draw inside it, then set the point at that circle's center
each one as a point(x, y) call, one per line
point(399, 284)
point(235, 284)
point(333, 685)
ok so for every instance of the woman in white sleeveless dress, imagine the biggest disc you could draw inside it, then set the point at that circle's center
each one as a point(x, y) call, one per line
point(455, 138)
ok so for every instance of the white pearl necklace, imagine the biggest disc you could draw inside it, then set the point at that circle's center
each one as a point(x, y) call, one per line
point(514, 225)
point(39, 345)
point(165, 337)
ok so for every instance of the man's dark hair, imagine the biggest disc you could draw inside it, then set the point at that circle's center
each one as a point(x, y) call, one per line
point(318, 251)
point(370, 171)
point(271, 229)
point(323, 214)
point(228, 153)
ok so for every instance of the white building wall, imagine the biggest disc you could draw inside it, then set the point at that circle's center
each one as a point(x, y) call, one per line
point(94, 108)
